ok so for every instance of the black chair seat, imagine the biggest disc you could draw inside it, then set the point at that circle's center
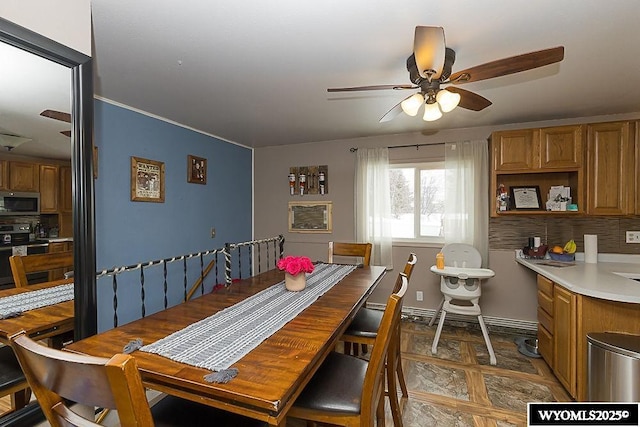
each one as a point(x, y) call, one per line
point(173, 411)
point(365, 324)
point(10, 372)
point(336, 386)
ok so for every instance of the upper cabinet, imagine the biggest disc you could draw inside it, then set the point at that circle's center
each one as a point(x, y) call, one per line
point(561, 147)
point(611, 168)
point(539, 158)
point(66, 200)
point(599, 162)
point(49, 177)
point(23, 176)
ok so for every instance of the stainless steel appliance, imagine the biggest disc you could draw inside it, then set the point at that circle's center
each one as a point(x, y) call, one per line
point(12, 235)
point(614, 367)
point(19, 203)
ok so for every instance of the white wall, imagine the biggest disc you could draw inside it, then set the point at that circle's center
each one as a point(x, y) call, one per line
point(68, 21)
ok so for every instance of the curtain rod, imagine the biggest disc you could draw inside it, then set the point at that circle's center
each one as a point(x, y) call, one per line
point(354, 149)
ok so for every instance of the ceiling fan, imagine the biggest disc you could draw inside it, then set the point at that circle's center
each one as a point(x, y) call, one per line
point(58, 115)
point(430, 67)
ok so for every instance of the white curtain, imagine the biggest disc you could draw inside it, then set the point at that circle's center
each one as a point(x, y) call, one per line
point(373, 203)
point(467, 195)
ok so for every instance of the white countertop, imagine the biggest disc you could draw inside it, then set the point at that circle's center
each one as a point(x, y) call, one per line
point(595, 280)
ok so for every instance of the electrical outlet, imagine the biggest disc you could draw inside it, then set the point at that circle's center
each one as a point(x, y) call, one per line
point(213, 232)
point(633, 237)
point(419, 296)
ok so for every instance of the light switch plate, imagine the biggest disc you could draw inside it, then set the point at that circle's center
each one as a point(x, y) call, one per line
point(633, 237)
point(419, 296)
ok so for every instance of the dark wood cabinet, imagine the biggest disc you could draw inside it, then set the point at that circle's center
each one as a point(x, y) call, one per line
point(49, 182)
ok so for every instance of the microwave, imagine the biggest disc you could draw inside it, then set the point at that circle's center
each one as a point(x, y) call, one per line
point(19, 203)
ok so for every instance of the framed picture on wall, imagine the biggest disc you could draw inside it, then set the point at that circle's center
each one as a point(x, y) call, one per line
point(147, 180)
point(196, 170)
point(310, 217)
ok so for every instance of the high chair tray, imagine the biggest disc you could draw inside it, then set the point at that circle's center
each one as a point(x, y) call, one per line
point(472, 273)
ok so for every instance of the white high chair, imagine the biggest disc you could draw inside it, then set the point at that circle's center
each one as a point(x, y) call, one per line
point(460, 281)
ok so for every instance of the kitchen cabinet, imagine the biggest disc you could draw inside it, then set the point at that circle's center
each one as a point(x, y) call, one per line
point(66, 198)
point(611, 180)
point(58, 273)
point(23, 176)
point(538, 157)
point(545, 319)
point(4, 179)
point(564, 338)
point(49, 183)
point(564, 320)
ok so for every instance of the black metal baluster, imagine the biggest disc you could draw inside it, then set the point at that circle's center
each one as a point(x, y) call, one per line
point(164, 268)
point(251, 269)
point(184, 276)
point(281, 240)
point(142, 289)
point(240, 261)
point(115, 301)
point(259, 261)
point(201, 274)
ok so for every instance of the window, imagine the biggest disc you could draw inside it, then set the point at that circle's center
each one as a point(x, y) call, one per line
point(417, 201)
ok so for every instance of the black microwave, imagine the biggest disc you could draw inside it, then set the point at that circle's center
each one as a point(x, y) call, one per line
point(19, 203)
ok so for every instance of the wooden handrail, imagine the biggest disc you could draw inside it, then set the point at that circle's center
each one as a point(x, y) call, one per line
point(200, 279)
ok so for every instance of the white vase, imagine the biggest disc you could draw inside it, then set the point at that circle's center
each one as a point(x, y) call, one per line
point(296, 282)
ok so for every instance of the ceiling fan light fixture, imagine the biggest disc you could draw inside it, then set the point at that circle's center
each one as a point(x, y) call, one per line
point(431, 112)
point(412, 104)
point(447, 100)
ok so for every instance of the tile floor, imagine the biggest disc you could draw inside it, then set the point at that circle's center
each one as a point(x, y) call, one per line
point(458, 386)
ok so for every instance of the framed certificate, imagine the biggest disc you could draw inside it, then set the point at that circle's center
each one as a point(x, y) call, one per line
point(526, 198)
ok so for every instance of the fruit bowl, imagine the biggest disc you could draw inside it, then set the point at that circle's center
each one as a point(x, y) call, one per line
point(562, 257)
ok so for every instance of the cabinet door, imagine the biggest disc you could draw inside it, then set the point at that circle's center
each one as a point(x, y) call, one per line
point(610, 169)
point(66, 200)
point(515, 150)
point(561, 147)
point(58, 273)
point(24, 176)
point(49, 188)
point(545, 345)
point(564, 338)
point(4, 177)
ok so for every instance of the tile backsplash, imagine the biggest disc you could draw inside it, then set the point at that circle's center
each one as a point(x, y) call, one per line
point(513, 232)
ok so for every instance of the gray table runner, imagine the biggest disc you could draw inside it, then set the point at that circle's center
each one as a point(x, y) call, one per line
point(222, 339)
point(15, 305)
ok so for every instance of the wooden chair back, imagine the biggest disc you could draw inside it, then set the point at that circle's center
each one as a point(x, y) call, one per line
point(21, 265)
point(57, 376)
point(362, 250)
point(374, 382)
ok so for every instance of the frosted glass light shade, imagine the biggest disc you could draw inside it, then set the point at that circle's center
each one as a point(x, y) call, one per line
point(431, 112)
point(447, 100)
point(412, 104)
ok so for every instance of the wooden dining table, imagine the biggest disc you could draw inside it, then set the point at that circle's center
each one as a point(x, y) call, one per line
point(40, 323)
point(270, 376)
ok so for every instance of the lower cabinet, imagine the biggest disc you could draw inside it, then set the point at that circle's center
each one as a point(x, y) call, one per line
point(58, 273)
point(564, 338)
point(564, 320)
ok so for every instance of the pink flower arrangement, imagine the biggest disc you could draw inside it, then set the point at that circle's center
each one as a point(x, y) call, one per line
point(295, 264)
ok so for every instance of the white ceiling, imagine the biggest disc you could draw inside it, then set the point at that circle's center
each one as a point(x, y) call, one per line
point(257, 72)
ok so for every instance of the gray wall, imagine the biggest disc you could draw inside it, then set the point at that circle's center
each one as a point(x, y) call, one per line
point(511, 294)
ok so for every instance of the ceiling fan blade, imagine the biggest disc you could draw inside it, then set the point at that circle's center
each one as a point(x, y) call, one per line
point(429, 51)
point(57, 115)
point(378, 87)
point(470, 100)
point(66, 133)
point(511, 65)
point(393, 113)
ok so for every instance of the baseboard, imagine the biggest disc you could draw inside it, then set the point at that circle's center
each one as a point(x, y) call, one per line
point(501, 322)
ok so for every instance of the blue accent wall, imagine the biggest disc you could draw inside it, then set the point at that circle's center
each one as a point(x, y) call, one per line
point(129, 232)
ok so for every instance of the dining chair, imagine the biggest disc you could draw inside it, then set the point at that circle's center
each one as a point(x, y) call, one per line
point(348, 391)
point(362, 250)
point(60, 378)
point(363, 330)
point(12, 380)
point(22, 265)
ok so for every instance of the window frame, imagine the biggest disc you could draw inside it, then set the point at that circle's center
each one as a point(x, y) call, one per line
point(426, 241)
